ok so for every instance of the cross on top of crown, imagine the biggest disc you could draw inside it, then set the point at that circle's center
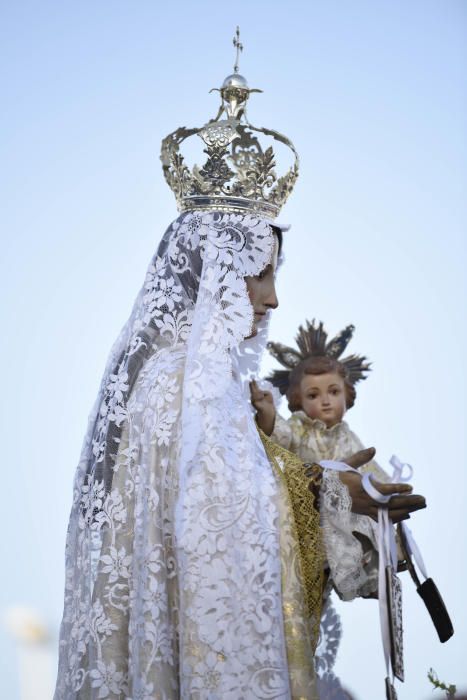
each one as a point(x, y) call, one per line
point(239, 46)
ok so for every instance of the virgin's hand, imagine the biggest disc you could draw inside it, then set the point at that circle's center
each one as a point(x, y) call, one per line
point(399, 507)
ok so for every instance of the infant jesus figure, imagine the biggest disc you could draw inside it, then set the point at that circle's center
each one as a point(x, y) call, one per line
point(320, 388)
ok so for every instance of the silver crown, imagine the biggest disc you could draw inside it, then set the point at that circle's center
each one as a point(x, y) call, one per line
point(239, 173)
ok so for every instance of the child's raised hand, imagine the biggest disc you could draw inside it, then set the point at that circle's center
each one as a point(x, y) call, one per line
point(265, 409)
point(261, 400)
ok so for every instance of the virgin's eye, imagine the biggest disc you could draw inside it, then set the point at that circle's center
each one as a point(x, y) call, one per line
point(312, 396)
point(334, 392)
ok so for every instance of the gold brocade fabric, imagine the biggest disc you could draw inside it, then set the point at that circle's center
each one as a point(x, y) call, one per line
point(306, 526)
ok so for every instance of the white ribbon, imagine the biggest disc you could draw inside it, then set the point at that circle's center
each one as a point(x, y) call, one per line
point(387, 556)
point(387, 553)
point(372, 491)
point(398, 470)
point(413, 550)
point(337, 466)
point(411, 545)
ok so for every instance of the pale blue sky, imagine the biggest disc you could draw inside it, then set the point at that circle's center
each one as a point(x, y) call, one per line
point(373, 94)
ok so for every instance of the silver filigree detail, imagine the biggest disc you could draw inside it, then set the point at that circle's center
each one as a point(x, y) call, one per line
point(239, 173)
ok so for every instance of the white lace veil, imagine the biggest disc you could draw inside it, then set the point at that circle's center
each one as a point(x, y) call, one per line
point(173, 572)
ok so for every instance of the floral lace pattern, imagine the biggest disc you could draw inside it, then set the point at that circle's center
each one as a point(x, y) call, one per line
point(353, 571)
point(330, 636)
point(173, 560)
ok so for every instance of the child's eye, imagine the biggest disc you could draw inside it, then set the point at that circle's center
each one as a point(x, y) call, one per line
point(263, 274)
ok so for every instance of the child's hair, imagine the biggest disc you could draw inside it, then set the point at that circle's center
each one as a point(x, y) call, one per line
point(317, 365)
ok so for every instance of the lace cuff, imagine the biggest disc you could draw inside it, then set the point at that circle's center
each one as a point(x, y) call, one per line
point(349, 540)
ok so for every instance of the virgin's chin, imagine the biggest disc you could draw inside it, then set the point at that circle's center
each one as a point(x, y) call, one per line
point(254, 331)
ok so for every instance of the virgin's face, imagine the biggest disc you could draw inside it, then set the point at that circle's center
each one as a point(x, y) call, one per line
point(262, 290)
point(323, 397)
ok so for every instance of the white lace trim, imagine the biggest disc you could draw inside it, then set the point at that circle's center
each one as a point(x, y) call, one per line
point(354, 571)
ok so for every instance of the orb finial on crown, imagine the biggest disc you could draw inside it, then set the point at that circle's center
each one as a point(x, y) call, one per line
point(235, 90)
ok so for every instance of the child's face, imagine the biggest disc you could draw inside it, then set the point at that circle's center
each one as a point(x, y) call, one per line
point(323, 397)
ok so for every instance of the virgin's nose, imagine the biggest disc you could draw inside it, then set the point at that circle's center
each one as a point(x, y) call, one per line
point(272, 302)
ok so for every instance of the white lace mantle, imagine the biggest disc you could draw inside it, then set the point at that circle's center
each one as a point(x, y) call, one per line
point(173, 572)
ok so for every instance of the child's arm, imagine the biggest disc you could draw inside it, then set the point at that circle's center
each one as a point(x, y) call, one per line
point(265, 409)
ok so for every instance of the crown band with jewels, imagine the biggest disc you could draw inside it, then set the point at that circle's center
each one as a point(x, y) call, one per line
point(312, 341)
point(239, 173)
